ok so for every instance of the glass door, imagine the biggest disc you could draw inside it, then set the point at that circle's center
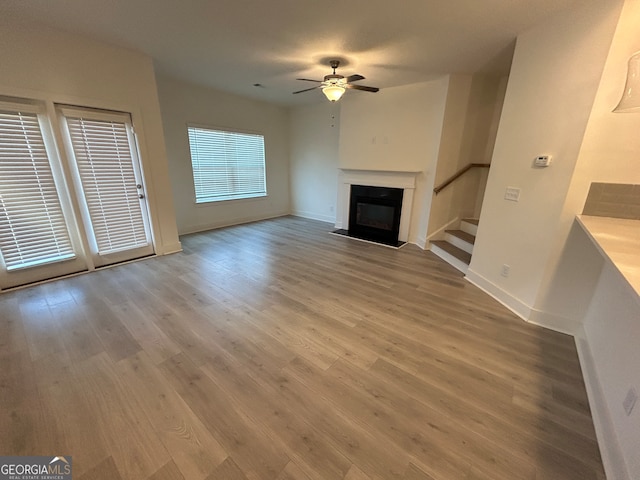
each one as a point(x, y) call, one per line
point(103, 156)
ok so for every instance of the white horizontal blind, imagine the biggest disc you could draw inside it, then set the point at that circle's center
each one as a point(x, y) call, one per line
point(226, 165)
point(33, 230)
point(103, 155)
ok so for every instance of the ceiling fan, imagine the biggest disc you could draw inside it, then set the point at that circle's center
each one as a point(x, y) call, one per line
point(334, 85)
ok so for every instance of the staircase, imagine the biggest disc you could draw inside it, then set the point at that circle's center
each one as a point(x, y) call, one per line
point(457, 246)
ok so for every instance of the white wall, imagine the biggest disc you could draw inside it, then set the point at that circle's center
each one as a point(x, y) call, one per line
point(610, 152)
point(184, 103)
point(396, 129)
point(552, 85)
point(45, 64)
point(315, 134)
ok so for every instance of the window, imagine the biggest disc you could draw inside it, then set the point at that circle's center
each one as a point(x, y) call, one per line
point(226, 165)
point(33, 230)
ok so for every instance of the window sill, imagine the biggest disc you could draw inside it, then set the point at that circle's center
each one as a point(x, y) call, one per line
point(230, 200)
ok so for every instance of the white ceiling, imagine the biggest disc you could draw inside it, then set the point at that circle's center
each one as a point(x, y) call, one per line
point(232, 44)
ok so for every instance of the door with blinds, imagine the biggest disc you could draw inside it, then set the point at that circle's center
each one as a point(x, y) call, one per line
point(57, 220)
point(103, 155)
point(38, 234)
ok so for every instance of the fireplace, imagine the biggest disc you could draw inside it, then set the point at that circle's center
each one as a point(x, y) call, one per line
point(394, 180)
point(374, 213)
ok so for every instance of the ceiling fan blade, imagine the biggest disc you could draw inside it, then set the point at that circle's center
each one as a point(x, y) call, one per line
point(354, 78)
point(309, 80)
point(363, 88)
point(306, 89)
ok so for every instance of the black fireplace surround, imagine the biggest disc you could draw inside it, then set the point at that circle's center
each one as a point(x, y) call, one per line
point(374, 213)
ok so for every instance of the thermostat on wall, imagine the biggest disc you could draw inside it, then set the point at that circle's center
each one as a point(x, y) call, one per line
point(542, 161)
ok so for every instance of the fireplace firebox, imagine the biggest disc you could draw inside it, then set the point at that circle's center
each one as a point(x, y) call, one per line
point(374, 214)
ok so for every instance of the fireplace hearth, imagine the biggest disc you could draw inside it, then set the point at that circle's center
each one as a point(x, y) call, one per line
point(374, 214)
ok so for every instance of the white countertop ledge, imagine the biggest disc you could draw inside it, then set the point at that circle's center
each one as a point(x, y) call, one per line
point(618, 240)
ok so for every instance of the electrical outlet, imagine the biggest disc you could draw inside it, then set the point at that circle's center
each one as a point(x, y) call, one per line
point(630, 401)
point(505, 270)
point(512, 194)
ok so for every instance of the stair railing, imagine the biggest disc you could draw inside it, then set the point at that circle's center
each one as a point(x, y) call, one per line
point(458, 174)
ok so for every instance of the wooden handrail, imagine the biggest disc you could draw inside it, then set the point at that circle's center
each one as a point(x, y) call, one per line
point(458, 174)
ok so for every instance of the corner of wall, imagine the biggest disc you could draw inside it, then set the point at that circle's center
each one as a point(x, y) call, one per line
point(555, 322)
point(527, 234)
point(514, 304)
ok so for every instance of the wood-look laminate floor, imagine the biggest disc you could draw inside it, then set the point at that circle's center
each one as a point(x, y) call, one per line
point(277, 351)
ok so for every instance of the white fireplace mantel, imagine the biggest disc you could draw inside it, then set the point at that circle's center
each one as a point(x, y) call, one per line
point(377, 178)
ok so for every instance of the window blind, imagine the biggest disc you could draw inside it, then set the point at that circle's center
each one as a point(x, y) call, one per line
point(33, 230)
point(226, 165)
point(103, 155)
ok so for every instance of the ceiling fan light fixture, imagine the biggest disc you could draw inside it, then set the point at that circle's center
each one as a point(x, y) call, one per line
point(333, 92)
point(333, 86)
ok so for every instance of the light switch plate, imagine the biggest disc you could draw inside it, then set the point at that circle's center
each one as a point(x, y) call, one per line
point(512, 194)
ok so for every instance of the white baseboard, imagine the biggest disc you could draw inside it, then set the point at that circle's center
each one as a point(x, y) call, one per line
point(421, 242)
point(315, 216)
point(229, 223)
point(514, 304)
point(557, 323)
point(169, 249)
point(554, 322)
point(610, 451)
